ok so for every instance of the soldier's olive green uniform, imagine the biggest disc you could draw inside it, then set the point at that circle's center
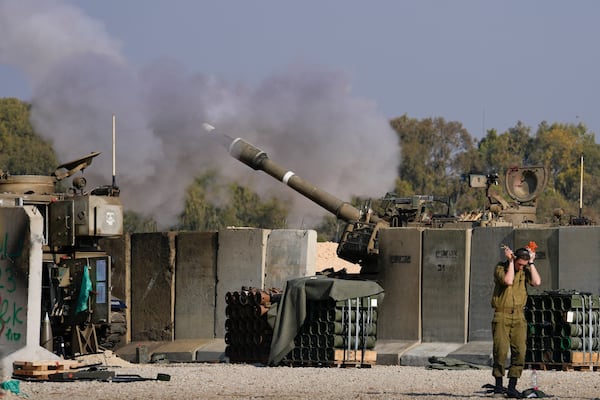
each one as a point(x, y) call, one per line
point(509, 327)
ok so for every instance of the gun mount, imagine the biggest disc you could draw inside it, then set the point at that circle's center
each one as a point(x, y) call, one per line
point(522, 184)
point(358, 243)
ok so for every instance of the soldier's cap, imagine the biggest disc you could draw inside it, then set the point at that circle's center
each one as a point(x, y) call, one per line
point(522, 253)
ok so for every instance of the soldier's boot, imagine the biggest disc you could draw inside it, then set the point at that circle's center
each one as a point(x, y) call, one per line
point(511, 390)
point(499, 389)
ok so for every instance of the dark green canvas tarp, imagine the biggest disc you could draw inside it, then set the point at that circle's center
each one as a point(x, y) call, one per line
point(291, 311)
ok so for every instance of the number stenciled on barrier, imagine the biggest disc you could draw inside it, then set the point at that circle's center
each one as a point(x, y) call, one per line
point(7, 279)
point(8, 320)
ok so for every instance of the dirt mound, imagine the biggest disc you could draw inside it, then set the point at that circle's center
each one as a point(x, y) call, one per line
point(327, 258)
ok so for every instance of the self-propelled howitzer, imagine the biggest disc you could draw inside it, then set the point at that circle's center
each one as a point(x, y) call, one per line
point(359, 242)
point(78, 311)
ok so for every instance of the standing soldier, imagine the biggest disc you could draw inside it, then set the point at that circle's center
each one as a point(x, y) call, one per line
point(509, 327)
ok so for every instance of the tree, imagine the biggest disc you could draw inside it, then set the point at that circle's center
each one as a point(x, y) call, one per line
point(211, 205)
point(559, 147)
point(22, 152)
point(134, 222)
point(330, 229)
point(198, 213)
point(512, 148)
point(435, 154)
point(248, 209)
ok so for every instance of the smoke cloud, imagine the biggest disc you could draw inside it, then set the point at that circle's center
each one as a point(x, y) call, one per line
point(306, 118)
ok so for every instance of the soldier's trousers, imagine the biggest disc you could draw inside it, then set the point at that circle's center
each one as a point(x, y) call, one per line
point(509, 330)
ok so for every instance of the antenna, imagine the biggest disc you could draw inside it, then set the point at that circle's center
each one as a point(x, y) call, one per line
point(581, 186)
point(114, 152)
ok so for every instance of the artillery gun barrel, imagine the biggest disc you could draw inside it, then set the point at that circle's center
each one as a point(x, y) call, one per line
point(257, 159)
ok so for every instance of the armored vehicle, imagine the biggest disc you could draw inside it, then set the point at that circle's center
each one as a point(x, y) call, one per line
point(77, 317)
point(359, 242)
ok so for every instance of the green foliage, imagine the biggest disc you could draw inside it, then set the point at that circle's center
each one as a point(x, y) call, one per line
point(560, 147)
point(431, 154)
point(134, 222)
point(22, 152)
point(211, 205)
point(199, 213)
point(498, 152)
point(330, 229)
point(434, 156)
point(248, 209)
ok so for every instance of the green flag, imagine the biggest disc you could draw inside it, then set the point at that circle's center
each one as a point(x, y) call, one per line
point(84, 292)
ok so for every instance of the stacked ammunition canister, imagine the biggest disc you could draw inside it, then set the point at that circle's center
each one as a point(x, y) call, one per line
point(563, 329)
point(335, 332)
point(248, 335)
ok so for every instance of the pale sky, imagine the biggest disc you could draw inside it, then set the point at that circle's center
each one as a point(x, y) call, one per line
point(313, 83)
point(487, 64)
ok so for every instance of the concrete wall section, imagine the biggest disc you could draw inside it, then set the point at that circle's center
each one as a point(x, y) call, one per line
point(291, 253)
point(240, 262)
point(119, 250)
point(152, 286)
point(547, 258)
point(399, 316)
point(446, 265)
point(14, 282)
point(485, 255)
point(195, 285)
point(21, 232)
point(579, 258)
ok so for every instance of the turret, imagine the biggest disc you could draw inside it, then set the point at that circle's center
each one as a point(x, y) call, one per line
point(359, 242)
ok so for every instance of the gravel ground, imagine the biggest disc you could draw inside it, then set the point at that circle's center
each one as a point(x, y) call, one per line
point(234, 381)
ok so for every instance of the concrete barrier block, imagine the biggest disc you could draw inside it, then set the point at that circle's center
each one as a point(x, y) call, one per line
point(446, 265)
point(119, 250)
point(485, 255)
point(291, 253)
point(579, 258)
point(240, 262)
point(21, 237)
point(400, 277)
point(195, 285)
point(152, 286)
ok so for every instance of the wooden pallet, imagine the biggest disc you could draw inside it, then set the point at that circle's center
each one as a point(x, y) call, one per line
point(580, 361)
point(564, 366)
point(582, 367)
point(41, 370)
point(342, 359)
point(579, 357)
point(346, 358)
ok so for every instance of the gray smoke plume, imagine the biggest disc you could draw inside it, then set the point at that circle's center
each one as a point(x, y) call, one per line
point(307, 119)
